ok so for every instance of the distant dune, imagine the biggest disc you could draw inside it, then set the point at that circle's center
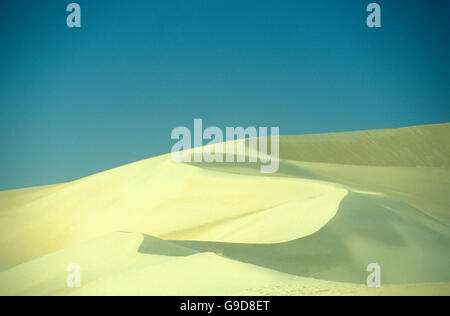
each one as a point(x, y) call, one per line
point(338, 203)
point(425, 146)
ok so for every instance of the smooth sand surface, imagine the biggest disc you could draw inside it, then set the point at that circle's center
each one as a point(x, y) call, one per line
point(338, 203)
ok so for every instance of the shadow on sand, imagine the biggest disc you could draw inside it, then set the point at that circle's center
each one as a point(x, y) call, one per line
point(409, 246)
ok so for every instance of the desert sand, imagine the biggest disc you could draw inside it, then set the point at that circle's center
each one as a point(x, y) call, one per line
point(155, 227)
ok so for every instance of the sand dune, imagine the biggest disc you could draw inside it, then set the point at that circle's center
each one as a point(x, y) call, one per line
point(426, 146)
point(338, 203)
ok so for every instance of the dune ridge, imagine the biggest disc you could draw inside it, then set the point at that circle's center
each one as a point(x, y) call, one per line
point(339, 202)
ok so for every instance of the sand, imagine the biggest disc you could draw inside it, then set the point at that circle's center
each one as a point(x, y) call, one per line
point(338, 203)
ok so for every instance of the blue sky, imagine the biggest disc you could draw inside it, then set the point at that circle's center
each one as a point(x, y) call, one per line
point(77, 101)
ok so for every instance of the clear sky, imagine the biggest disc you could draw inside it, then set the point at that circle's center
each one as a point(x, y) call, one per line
point(77, 101)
